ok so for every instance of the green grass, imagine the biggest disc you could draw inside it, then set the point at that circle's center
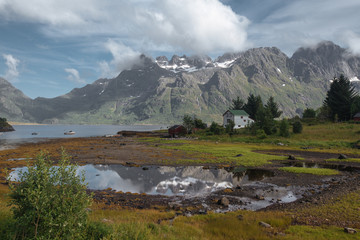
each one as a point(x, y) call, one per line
point(318, 233)
point(326, 135)
point(222, 153)
point(315, 171)
point(355, 160)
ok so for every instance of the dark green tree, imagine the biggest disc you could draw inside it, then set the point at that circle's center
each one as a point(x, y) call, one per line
point(188, 123)
point(340, 98)
point(284, 128)
point(215, 128)
point(309, 113)
point(198, 123)
point(355, 106)
point(237, 104)
point(230, 128)
point(297, 127)
point(252, 105)
point(265, 121)
point(273, 107)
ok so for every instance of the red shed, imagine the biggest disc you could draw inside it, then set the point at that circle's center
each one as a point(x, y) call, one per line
point(357, 117)
point(177, 130)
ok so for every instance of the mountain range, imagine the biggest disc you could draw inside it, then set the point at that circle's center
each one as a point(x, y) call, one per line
point(161, 91)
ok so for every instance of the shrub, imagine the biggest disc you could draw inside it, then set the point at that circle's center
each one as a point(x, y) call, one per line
point(309, 113)
point(284, 128)
point(260, 133)
point(50, 202)
point(215, 128)
point(297, 127)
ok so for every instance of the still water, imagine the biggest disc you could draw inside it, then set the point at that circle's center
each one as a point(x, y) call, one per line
point(24, 133)
point(164, 180)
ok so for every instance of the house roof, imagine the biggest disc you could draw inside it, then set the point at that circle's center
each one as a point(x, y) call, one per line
point(175, 127)
point(357, 115)
point(237, 112)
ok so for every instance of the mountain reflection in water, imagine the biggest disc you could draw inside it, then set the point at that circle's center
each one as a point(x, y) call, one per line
point(164, 180)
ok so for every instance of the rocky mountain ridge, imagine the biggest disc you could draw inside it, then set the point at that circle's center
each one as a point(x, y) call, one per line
point(161, 91)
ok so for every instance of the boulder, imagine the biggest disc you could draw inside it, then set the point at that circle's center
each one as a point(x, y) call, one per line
point(349, 230)
point(224, 202)
point(342, 156)
point(265, 225)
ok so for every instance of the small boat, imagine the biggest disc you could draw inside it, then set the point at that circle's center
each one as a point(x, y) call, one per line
point(69, 133)
point(34, 133)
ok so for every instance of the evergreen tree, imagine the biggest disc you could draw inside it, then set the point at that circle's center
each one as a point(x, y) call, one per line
point(237, 104)
point(265, 121)
point(309, 113)
point(340, 98)
point(297, 127)
point(273, 107)
point(284, 128)
point(253, 104)
point(188, 123)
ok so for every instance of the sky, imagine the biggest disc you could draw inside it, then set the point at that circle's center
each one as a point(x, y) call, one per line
point(49, 47)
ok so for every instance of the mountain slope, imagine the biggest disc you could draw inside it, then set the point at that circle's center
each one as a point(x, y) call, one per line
point(162, 91)
point(13, 103)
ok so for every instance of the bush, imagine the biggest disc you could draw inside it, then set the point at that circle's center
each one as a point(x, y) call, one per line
point(97, 230)
point(297, 127)
point(215, 128)
point(284, 128)
point(50, 202)
point(309, 113)
point(260, 133)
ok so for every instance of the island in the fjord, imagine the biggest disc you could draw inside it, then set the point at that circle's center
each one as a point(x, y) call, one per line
point(5, 126)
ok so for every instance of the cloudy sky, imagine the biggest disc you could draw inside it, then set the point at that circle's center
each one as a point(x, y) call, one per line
point(48, 47)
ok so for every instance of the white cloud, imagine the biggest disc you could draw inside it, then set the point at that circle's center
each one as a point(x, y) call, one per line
point(123, 58)
point(203, 26)
point(74, 76)
point(306, 22)
point(12, 63)
point(353, 41)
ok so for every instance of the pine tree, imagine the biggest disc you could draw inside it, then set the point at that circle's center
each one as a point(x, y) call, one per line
point(253, 104)
point(340, 98)
point(238, 104)
point(273, 107)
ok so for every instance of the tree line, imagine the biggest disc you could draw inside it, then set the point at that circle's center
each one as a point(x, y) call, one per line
point(342, 102)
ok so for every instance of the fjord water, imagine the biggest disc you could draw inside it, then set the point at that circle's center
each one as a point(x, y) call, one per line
point(24, 133)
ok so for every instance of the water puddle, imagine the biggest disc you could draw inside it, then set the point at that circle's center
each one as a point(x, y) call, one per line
point(189, 182)
point(164, 180)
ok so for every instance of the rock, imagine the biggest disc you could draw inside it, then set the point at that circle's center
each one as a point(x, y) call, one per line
point(259, 197)
point(291, 157)
point(342, 156)
point(224, 202)
point(175, 206)
point(104, 220)
point(239, 155)
point(265, 225)
point(349, 230)
point(240, 217)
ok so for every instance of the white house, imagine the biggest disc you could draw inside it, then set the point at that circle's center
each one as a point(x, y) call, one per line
point(239, 117)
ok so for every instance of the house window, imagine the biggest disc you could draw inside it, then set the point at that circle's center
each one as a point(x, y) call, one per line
point(241, 116)
point(239, 125)
point(244, 120)
point(228, 120)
